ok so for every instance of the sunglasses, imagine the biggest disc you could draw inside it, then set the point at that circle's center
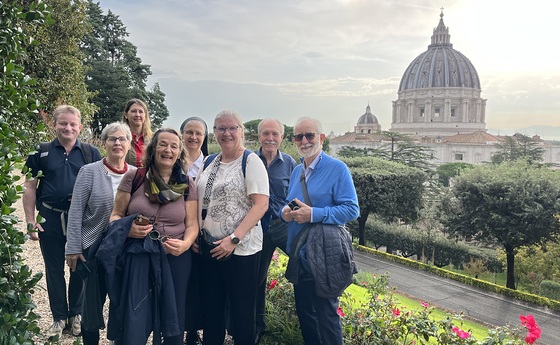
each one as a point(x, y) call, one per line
point(309, 136)
point(154, 234)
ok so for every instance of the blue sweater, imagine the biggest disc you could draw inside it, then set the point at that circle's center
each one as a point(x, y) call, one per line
point(332, 193)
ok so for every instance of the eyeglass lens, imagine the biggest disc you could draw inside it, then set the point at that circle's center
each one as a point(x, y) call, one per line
point(229, 129)
point(114, 139)
point(308, 136)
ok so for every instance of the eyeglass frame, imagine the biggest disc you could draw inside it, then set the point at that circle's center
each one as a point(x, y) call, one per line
point(154, 235)
point(309, 136)
point(113, 139)
point(231, 129)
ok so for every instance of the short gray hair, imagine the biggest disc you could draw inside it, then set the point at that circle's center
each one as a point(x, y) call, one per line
point(280, 125)
point(115, 126)
point(317, 124)
point(229, 113)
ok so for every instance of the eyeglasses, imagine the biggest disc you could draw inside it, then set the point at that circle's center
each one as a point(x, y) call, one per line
point(155, 234)
point(191, 133)
point(114, 139)
point(309, 136)
point(222, 130)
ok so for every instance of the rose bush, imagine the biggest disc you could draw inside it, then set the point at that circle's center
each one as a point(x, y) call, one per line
point(381, 320)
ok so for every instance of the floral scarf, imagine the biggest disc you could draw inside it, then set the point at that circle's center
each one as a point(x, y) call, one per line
point(160, 192)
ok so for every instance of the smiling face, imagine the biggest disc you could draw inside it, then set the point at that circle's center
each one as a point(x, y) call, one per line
point(136, 116)
point(67, 127)
point(115, 146)
point(167, 151)
point(311, 140)
point(229, 133)
point(193, 136)
point(270, 136)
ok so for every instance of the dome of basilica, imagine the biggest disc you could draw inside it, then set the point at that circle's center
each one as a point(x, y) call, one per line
point(440, 66)
point(367, 118)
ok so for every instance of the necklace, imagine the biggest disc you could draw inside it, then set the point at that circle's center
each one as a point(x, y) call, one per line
point(113, 169)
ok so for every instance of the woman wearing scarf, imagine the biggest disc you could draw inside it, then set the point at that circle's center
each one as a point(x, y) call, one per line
point(165, 209)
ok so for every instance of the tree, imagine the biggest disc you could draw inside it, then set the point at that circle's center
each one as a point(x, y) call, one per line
point(115, 71)
point(512, 204)
point(55, 61)
point(516, 147)
point(17, 109)
point(156, 105)
point(392, 191)
point(397, 148)
point(448, 171)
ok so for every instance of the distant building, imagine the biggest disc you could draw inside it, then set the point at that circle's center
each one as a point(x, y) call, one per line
point(439, 104)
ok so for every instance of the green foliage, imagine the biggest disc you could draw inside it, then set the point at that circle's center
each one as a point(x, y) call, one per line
point(550, 289)
point(115, 72)
point(536, 263)
point(512, 204)
point(19, 321)
point(397, 147)
point(378, 318)
point(518, 147)
point(447, 171)
point(391, 190)
point(55, 61)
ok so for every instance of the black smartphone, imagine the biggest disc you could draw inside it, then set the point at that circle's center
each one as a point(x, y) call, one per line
point(293, 205)
point(82, 269)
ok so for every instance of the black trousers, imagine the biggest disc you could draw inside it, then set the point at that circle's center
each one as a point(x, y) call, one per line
point(269, 246)
point(52, 242)
point(236, 281)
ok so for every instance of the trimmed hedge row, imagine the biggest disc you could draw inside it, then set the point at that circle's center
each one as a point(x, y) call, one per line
point(522, 296)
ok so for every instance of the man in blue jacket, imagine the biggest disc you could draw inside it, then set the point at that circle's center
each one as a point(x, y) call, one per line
point(332, 200)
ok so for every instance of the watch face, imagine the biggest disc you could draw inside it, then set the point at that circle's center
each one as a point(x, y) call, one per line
point(234, 239)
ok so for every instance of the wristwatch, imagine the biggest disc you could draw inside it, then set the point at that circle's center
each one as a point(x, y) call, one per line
point(234, 239)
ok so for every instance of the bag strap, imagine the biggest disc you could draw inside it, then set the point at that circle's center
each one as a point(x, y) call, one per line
point(87, 152)
point(208, 188)
point(306, 198)
point(138, 180)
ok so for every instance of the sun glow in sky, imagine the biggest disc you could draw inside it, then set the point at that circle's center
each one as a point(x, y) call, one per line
point(329, 59)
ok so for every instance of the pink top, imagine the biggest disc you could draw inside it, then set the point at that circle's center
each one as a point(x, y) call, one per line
point(171, 217)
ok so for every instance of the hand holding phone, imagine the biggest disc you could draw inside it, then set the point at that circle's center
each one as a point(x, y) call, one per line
point(293, 205)
point(142, 220)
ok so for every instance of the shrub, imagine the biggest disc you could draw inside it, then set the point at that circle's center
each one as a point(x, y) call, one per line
point(550, 289)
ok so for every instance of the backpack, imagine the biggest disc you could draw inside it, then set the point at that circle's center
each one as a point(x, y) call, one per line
point(43, 148)
point(210, 158)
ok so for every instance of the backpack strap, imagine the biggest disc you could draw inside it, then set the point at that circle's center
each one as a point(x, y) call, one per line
point(87, 152)
point(138, 179)
point(246, 154)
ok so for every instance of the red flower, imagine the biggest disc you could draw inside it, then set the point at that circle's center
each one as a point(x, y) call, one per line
point(533, 330)
point(424, 304)
point(460, 333)
point(340, 312)
point(273, 283)
point(396, 312)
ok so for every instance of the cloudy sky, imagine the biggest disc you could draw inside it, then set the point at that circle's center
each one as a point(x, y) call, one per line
point(329, 58)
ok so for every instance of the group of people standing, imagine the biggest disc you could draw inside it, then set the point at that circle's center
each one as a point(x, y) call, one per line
point(180, 240)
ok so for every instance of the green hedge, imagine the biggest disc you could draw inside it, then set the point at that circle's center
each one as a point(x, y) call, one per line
point(522, 296)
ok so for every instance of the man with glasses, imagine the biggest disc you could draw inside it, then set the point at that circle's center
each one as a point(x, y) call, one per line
point(332, 200)
point(279, 166)
point(51, 194)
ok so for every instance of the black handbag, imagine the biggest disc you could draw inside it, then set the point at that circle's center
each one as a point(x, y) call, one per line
point(206, 244)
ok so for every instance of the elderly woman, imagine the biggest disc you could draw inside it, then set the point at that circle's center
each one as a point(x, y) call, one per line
point(195, 139)
point(232, 198)
point(136, 116)
point(165, 213)
point(92, 202)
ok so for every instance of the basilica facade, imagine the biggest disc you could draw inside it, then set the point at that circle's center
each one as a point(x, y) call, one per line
point(439, 105)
